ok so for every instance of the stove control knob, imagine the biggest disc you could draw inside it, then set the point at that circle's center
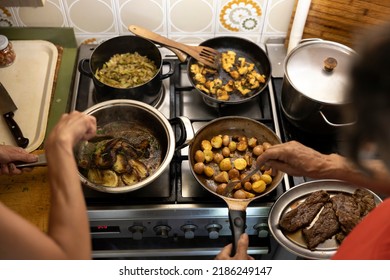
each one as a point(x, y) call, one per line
point(162, 231)
point(189, 230)
point(213, 230)
point(137, 231)
point(262, 230)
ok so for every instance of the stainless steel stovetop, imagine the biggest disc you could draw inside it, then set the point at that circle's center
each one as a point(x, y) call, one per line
point(175, 217)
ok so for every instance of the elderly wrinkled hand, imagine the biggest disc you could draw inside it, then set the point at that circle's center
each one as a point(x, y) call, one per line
point(294, 159)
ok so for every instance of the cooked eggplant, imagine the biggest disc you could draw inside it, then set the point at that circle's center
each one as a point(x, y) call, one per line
point(139, 168)
point(104, 177)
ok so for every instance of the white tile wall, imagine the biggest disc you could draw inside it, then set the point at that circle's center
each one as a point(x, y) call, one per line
point(188, 21)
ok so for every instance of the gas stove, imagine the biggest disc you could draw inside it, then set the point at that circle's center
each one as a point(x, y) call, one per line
point(175, 217)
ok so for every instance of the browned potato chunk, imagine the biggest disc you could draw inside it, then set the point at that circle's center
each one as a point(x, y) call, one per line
point(258, 150)
point(255, 177)
point(221, 188)
point(225, 164)
point(249, 194)
point(239, 194)
point(268, 172)
point(226, 152)
point(232, 146)
point(225, 140)
point(242, 177)
point(216, 142)
point(233, 173)
point(248, 159)
point(208, 171)
point(199, 156)
point(221, 177)
point(258, 186)
point(199, 168)
point(252, 142)
point(248, 186)
point(218, 157)
point(206, 145)
point(266, 178)
point(208, 155)
point(266, 145)
point(240, 163)
point(242, 146)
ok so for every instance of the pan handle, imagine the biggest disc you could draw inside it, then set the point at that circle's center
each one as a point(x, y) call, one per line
point(186, 131)
point(82, 68)
point(171, 69)
point(237, 220)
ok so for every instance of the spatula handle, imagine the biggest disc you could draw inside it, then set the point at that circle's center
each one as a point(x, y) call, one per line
point(15, 130)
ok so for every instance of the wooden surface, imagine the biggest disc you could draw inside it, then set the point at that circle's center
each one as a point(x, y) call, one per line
point(28, 194)
point(343, 21)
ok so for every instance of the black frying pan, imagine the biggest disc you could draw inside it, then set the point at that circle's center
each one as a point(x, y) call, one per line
point(243, 48)
point(234, 125)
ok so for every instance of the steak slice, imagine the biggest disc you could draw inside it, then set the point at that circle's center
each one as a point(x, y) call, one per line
point(365, 201)
point(324, 228)
point(347, 211)
point(302, 216)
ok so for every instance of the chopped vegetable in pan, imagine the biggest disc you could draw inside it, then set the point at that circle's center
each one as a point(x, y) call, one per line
point(126, 70)
point(244, 77)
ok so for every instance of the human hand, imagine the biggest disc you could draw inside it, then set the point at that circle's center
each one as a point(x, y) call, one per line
point(241, 251)
point(294, 159)
point(70, 129)
point(9, 154)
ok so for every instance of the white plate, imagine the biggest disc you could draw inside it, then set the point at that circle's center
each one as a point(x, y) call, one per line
point(29, 81)
point(290, 199)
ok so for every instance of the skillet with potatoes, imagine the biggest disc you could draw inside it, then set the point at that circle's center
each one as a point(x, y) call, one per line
point(232, 126)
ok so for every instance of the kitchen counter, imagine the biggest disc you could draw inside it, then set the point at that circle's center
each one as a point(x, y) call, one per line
point(29, 194)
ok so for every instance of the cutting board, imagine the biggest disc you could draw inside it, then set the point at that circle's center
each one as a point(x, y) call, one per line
point(341, 20)
point(29, 81)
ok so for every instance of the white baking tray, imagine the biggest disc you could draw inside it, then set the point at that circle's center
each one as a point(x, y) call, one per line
point(29, 81)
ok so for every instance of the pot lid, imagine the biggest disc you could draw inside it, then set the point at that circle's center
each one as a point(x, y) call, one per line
point(319, 70)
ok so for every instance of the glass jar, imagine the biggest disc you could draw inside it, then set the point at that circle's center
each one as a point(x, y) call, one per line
point(7, 53)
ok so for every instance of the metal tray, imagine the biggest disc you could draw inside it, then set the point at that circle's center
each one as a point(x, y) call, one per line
point(294, 242)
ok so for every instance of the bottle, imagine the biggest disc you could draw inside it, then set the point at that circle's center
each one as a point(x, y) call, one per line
point(7, 53)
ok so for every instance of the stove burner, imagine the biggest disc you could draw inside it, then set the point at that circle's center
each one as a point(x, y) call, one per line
point(156, 103)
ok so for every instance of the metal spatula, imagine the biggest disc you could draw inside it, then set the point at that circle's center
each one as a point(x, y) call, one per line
point(231, 184)
point(207, 56)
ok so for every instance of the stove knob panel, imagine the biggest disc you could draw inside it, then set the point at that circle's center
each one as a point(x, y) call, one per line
point(189, 230)
point(137, 231)
point(162, 231)
point(262, 230)
point(213, 230)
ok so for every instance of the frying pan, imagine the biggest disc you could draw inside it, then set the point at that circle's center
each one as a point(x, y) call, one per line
point(243, 48)
point(233, 125)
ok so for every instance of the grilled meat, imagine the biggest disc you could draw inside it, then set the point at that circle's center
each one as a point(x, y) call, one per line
point(324, 228)
point(347, 211)
point(302, 216)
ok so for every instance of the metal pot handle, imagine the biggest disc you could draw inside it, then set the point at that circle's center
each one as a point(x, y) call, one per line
point(83, 69)
point(335, 124)
point(171, 69)
point(186, 131)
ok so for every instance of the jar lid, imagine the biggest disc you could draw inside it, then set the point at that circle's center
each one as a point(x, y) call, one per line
point(3, 42)
point(319, 69)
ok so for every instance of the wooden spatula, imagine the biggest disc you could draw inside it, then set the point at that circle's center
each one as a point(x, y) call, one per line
point(204, 55)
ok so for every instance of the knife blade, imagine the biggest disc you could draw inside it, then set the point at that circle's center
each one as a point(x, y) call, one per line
point(7, 109)
point(40, 162)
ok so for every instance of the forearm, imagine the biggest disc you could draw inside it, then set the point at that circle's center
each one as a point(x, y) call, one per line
point(378, 179)
point(67, 226)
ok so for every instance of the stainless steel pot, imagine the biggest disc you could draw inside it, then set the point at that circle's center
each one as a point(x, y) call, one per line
point(124, 110)
point(315, 86)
